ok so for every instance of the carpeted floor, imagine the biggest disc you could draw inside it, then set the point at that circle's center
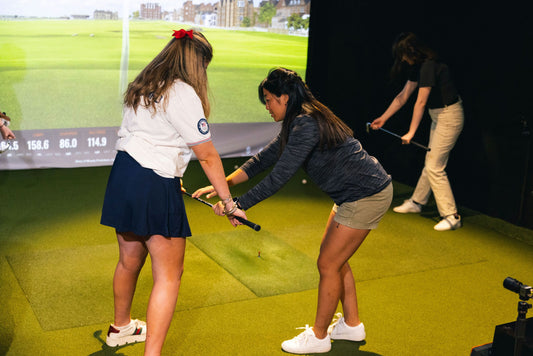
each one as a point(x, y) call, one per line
point(421, 292)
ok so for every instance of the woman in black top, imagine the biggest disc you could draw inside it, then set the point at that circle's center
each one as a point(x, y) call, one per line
point(313, 138)
point(437, 92)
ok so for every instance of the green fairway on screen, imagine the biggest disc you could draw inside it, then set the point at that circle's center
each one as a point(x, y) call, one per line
point(66, 73)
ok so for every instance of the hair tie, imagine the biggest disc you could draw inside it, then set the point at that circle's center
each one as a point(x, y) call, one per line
point(182, 33)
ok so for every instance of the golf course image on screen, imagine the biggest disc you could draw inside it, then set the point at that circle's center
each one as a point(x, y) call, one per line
point(63, 82)
point(66, 73)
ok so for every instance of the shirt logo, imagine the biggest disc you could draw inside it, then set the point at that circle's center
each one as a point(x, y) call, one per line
point(203, 126)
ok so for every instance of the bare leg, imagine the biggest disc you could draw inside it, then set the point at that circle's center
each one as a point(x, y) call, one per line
point(132, 255)
point(167, 255)
point(348, 297)
point(336, 280)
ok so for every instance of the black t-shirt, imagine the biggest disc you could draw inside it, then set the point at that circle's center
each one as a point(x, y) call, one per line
point(436, 75)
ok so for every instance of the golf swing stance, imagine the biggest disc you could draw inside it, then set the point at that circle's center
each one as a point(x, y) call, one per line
point(313, 138)
point(437, 92)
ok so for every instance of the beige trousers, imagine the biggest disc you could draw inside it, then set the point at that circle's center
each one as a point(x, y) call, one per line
point(446, 125)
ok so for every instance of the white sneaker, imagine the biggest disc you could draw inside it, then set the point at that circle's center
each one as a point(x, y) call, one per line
point(307, 343)
point(340, 331)
point(408, 206)
point(450, 222)
point(134, 332)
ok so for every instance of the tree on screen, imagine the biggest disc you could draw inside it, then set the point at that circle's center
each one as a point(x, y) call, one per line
point(266, 13)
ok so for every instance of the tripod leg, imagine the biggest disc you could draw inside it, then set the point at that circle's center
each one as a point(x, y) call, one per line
point(520, 328)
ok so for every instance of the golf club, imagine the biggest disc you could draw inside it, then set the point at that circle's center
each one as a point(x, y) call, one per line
point(398, 136)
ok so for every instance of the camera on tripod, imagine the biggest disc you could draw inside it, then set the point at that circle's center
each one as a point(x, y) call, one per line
point(514, 338)
point(524, 292)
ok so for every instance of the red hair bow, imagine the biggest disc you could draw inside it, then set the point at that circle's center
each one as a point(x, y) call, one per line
point(182, 33)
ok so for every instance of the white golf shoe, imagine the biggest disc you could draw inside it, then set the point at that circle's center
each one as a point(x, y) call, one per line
point(408, 206)
point(307, 343)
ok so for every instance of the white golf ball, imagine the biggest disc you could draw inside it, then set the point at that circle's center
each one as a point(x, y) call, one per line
point(304, 181)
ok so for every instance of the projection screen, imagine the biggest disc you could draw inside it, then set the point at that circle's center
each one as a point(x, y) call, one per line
point(64, 66)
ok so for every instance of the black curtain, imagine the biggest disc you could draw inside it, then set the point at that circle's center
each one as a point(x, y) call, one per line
point(489, 48)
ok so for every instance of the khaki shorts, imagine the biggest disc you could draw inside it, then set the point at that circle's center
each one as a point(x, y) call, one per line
point(364, 213)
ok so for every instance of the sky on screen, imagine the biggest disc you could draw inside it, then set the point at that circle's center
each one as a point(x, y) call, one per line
point(56, 8)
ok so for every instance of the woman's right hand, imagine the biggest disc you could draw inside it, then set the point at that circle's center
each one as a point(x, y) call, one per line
point(233, 220)
point(220, 208)
point(209, 190)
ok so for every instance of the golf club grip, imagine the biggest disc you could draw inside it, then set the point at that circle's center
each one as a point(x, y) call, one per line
point(242, 220)
point(421, 146)
point(248, 223)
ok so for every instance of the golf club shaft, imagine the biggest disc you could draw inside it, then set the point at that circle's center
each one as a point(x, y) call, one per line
point(400, 137)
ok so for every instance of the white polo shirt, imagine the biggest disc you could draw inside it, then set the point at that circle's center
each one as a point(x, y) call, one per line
point(162, 141)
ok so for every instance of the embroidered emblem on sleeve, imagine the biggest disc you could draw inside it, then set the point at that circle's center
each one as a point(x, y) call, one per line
point(203, 126)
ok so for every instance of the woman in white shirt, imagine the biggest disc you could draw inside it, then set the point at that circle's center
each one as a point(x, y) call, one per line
point(164, 122)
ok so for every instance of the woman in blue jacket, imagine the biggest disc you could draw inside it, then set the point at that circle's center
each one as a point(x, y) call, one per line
point(313, 138)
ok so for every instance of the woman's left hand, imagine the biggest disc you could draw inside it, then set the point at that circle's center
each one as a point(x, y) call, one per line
point(377, 123)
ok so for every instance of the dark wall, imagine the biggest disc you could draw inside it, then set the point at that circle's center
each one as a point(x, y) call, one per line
point(489, 50)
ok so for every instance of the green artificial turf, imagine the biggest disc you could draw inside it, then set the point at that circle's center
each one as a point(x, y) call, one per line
point(61, 284)
point(262, 262)
point(421, 292)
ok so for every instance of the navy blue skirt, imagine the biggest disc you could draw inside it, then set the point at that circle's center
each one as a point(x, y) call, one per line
point(140, 201)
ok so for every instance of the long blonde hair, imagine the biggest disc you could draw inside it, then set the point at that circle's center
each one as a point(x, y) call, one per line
point(182, 58)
